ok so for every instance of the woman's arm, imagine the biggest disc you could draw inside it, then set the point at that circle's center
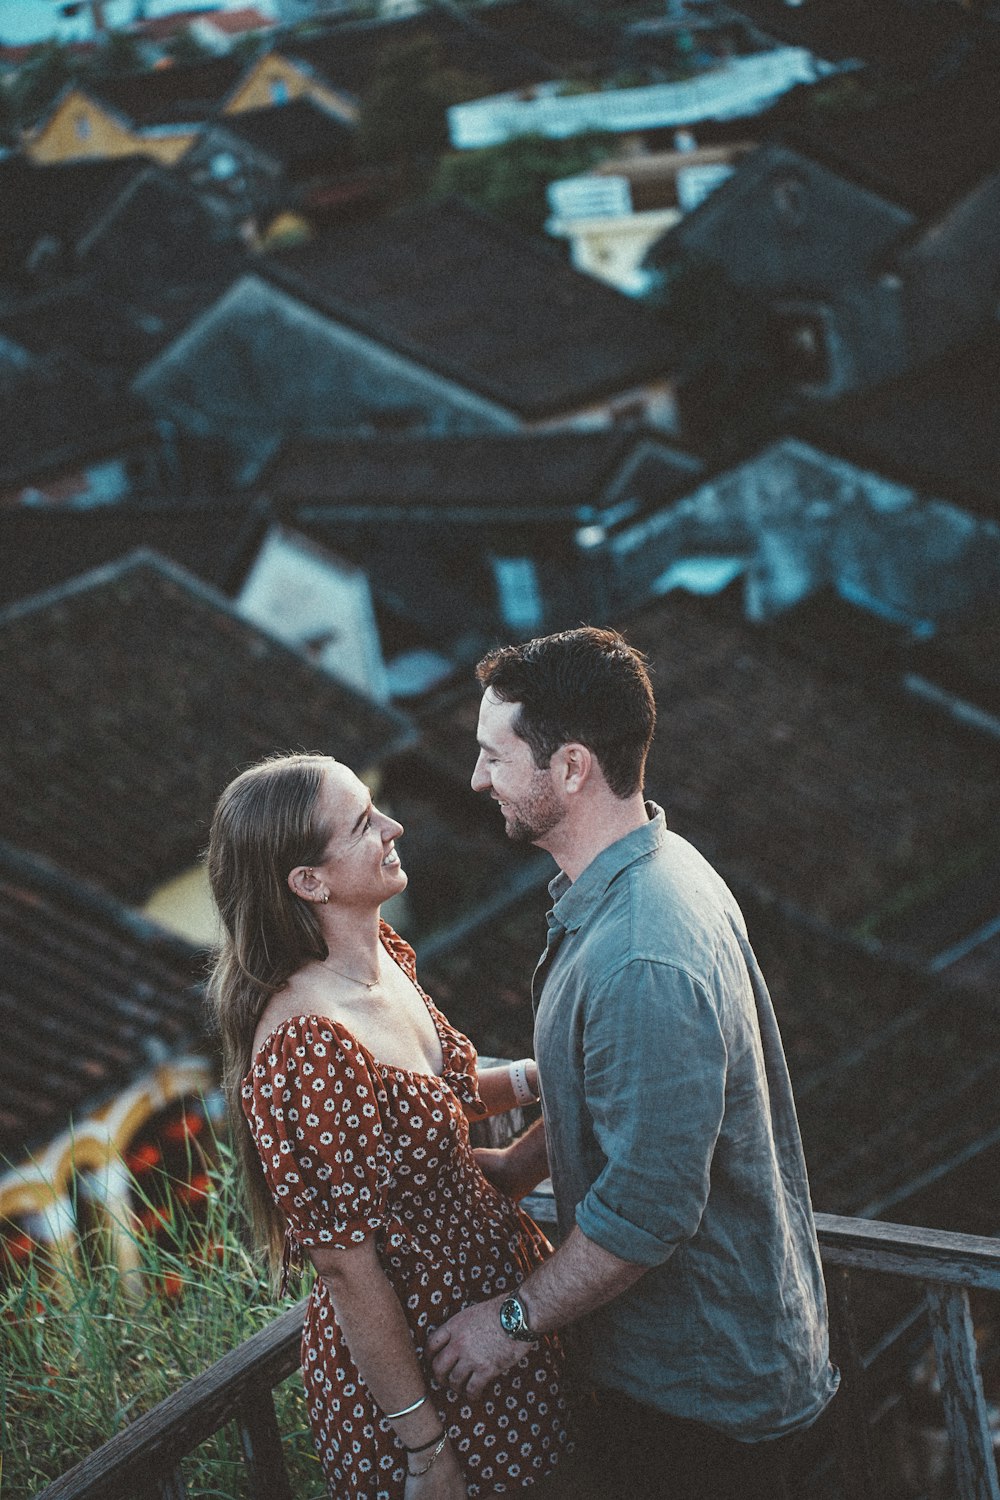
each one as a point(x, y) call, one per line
point(496, 1089)
point(378, 1337)
point(518, 1168)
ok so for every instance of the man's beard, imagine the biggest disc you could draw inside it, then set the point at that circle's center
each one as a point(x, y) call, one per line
point(535, 817)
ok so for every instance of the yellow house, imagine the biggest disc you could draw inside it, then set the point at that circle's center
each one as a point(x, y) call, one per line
point(274, 79)
point(79, 126)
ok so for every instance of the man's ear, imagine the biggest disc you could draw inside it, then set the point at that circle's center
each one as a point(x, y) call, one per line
point(573, 764)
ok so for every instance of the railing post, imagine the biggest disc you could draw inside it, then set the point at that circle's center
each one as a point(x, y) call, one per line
point(172, 1486)
point(962, 1392)
point(853, 1434)
point(260, 1440)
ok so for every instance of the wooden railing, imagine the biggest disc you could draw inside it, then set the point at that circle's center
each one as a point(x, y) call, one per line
point(146, 1458)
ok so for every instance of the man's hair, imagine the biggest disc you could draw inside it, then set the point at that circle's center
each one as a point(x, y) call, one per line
point(587, 685)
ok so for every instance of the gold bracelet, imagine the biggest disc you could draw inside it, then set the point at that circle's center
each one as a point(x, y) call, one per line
point(439, 1449)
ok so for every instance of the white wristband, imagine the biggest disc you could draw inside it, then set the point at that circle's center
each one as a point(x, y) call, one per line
point(523, 1092)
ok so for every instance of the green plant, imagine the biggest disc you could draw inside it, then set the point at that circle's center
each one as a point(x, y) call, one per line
point(87, 1346)
point(510, 180)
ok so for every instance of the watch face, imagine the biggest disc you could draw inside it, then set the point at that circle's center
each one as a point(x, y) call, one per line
point(511, 1316)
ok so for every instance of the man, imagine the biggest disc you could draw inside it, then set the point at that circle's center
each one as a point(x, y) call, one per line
point(687, 1282)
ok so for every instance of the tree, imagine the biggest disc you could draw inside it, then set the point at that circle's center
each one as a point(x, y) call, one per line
point(403, 119)
point(510, 180)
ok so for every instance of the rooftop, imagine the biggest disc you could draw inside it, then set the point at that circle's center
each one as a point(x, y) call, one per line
point(291, 133)
point(92, 995)
point(177, 95)
point(44, 547)
point(935, 428)
point(480, 303)
point(508, 476)
point(922, 150)
point(350, 53)
point(903, 39)
point(133, 694)
point(58, 413)
point(57, 201)
point(795, 778)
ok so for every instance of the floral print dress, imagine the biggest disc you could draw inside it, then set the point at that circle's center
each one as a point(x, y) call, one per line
point(352, 1147)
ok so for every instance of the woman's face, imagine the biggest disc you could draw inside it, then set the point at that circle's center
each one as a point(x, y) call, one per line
point(360, 865)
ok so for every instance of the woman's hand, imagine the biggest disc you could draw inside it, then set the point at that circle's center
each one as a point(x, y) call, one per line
point(443, 1480)
point(519, 1168)
point(500, 1168)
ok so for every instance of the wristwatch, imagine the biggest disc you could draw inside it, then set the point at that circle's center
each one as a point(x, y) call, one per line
point(514, 1320)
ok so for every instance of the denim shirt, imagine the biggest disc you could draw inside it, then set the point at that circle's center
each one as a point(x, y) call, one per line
point(673, 1142)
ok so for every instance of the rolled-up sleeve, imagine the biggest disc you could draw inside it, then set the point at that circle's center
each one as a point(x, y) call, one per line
point(654, 1056)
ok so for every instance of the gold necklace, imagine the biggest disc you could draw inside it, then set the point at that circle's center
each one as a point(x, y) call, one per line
point(364, 983)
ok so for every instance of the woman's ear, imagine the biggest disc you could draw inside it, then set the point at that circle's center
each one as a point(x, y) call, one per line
point(302, 882)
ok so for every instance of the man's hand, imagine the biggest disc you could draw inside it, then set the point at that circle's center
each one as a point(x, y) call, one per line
point(471, 1349)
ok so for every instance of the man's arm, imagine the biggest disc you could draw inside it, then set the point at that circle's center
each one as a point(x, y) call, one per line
point(654, 1051)
point(471, 1349)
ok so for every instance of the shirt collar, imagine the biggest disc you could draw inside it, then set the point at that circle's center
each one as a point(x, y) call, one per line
point(574, 900)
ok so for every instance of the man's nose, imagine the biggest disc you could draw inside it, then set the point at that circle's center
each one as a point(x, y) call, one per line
point(480, 776)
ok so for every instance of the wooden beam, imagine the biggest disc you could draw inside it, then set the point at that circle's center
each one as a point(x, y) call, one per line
point(850, 1411)
point(147, 1452)
point(260, 1439)
point(962, 1393)
point(963, 1260)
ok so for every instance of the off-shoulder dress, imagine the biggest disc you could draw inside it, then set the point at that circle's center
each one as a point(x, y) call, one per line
point(352, 1147)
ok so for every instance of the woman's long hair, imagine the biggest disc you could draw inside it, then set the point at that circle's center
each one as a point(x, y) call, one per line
point(264, 825)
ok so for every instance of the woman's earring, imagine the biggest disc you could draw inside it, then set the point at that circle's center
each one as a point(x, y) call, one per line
point(326, 898)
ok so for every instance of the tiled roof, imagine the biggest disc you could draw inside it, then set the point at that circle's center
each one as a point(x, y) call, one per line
point(894, 1072)
point(795, 777)
point(293, 132)
point(963, 656)
point(550, 31)
point(59, 414)
point(349, 54)
point(43, 547)
point(936, 428)
point(922, 150)
point(161, 239)
point(845, 237)
point(132, 696)
point(912, 40)
point(481, 304)
point(57, 200)
point(91, 995)
point(179, 95)
point(503, 474)
point(93, 326)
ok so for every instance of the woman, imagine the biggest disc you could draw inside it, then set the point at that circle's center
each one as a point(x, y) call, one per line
point(350, 1093)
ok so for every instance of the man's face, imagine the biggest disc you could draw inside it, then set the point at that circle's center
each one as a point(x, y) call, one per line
point(506, 769)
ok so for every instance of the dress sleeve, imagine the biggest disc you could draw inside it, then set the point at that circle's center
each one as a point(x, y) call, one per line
point(313, 1106)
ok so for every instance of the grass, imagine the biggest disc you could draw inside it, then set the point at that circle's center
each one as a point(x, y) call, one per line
point(86, 1347)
